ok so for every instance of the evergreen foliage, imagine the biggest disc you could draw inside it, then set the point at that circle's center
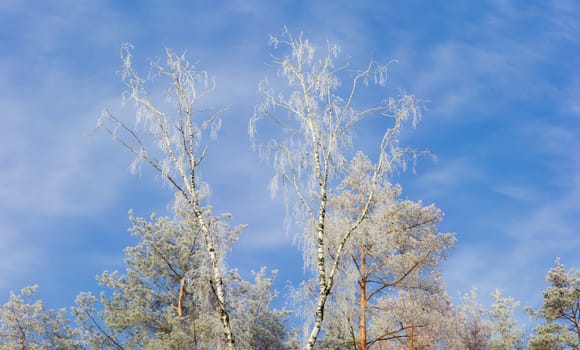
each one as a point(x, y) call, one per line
point(560, 311)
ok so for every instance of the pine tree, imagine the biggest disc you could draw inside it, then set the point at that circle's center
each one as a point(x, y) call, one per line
point(164, 300)
point(560, 311)
point(25, 323)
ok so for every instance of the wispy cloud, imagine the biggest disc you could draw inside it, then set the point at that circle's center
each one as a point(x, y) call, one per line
point(515, 241)
point(528, 244)
point(19, 258)
point(516, 192)
point(502, 119)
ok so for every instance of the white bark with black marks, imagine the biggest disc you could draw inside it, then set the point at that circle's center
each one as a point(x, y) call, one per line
point(171, 143)
point(318, 127)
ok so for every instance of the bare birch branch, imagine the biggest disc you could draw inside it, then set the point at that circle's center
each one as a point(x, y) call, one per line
point(178, 141)
point(318, 125)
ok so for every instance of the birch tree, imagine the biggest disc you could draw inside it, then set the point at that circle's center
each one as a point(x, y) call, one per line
point(318, 116)
point(173, 144)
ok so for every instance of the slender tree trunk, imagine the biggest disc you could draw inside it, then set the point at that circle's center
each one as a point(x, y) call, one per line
point(323, 296)
point(218, 284)
point(576, 322)
point(217, 279)
point(362, 330)
point(180, 298)
point(362, 327)
point(324, 288)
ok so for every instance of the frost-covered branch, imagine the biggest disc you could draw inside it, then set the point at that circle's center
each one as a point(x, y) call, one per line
point(172, 144)
point(318, 125)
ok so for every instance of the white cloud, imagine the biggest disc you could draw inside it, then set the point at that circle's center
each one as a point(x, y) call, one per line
point(553, 221)
point(517, 192)
point(516, 242)
point(446, 178)
point(51, 167)
point(519, 249)
point(19, 258)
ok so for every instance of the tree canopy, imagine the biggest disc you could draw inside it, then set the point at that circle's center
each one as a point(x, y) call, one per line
point(371, 256)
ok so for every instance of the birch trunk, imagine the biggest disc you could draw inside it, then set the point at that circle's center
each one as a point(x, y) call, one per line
point(324, 287)
point(323, 296)
point(217, 280)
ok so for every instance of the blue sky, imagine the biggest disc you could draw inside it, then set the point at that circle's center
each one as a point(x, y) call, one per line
point(502, 79)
